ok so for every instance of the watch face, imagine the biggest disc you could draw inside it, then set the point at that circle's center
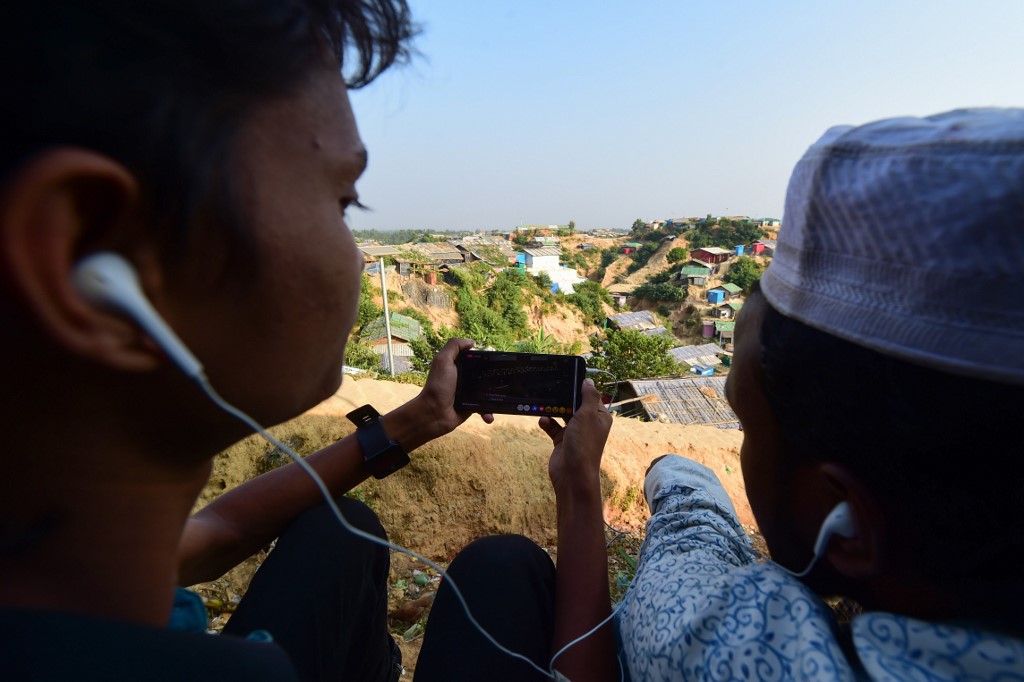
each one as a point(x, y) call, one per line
point(363, 416)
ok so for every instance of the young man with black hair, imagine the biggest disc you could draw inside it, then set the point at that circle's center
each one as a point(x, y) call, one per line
point(211, 144)
point(879, 377)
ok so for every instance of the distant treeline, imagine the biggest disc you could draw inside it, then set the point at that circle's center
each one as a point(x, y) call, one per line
point(394, 237)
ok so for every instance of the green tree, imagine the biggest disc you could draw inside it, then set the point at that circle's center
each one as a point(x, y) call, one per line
point(744, 272)
point(426, 347)
point(506, 298)
point(638, 225)
point(660, 292)
point(368, 309)
point(572, 225)
point(677, 254)
point(359, 354)
point(588, 296)
point(608, 256)
point(641, 256)
point(630, 354)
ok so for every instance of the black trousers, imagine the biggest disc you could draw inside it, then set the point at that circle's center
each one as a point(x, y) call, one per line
point(322, 595)
point(509, 584)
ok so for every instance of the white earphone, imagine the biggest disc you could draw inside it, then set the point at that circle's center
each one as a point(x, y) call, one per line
point(108, 280)
point(838, 522)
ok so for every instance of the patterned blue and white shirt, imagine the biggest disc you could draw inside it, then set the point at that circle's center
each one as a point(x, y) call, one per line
point(702, 607)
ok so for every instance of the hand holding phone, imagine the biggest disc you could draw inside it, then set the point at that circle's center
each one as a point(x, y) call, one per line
point(575, 462)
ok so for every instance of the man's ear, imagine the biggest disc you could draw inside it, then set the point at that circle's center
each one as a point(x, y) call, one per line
point(862, 556)
point(54, 208)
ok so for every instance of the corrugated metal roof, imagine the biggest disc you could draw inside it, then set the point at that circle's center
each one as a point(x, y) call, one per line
point(715, 251)
point(438, 250)
point(642, 319)
point(704, 354)
point(725, 325)
point(656, 331)
point(685, 400)
point(544, 251)
point(378, 251)
point(402, 327)
point(731, 288)
point(694, 270)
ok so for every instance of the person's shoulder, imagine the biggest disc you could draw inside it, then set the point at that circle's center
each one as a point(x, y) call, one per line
point(887, 643)
point(49, 645)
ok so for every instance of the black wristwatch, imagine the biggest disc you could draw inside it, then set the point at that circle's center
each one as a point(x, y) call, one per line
point(381, 455)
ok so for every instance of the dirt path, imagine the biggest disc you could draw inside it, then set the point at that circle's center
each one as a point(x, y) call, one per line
point(657, 263)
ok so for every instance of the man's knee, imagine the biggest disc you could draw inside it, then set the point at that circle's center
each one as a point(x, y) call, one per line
point(354, 512)
point(501, 554)
point(318, 529)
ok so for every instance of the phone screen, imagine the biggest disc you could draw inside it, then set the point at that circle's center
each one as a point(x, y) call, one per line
point(519, 383)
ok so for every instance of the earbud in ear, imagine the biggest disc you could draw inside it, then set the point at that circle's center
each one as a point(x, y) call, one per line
point(108, 280)
point(838, 522)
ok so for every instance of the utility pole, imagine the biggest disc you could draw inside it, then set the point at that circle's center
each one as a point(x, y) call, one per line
point(379, 252)
point(387, 317)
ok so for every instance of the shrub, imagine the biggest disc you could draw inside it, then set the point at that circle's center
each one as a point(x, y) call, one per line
point(677, 254)
point(368, 310)
point(744, 272)
point(588, 297)
point(359, 354)
point(630, 354)
point(660, 292)
point(417, 315)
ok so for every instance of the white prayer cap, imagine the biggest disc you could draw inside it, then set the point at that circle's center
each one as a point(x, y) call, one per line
point(907, 236)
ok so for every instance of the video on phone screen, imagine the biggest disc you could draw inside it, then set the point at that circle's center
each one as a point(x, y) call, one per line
point(518, 383)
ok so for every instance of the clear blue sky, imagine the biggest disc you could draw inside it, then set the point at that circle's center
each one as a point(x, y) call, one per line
point(545, 111)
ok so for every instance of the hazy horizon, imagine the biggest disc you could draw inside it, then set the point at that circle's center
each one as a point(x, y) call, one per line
point(527, 112)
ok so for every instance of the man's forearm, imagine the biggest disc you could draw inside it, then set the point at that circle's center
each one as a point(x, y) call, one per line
point(582, 596)
point(242, 521)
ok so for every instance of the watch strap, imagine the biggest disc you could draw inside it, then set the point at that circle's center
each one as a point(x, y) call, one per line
point(381, 455)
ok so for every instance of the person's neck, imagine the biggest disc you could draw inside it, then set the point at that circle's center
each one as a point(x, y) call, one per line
point(100, 547)
point(90, 519)
point(975, 603)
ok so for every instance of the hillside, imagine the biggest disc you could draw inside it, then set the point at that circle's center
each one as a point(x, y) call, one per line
point(480, 479)
point(564, 322)
point(656, 264)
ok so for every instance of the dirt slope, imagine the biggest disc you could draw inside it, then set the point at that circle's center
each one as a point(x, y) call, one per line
point(657, 263)
point(493, 478)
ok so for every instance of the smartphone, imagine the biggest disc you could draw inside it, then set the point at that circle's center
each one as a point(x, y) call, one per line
point(534, 384)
